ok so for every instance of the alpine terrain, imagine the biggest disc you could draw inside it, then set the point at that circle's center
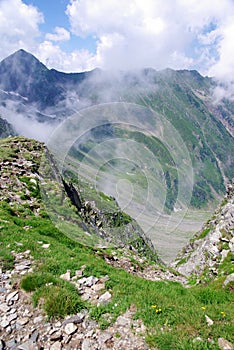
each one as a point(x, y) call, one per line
point(116, 210)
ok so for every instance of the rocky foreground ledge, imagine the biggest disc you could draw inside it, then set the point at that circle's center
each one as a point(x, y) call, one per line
point(23, 327)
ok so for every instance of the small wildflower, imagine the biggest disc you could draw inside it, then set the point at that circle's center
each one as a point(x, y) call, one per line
point(154, 306)
point(203, 308)
point(158, 311)
point(223, 313)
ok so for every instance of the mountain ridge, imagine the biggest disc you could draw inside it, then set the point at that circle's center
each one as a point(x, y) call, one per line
point(93, 296)
point(183, 98)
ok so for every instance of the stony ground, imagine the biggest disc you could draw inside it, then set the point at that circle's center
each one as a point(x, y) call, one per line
point(24, 327)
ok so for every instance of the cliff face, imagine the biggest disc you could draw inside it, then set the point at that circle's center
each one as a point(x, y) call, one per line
point(24, 186)
point(210, 252)
point(6, 128)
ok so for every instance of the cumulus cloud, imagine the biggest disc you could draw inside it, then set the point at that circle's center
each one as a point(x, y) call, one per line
point(129, 34)
point(156, 33)
point(60, 34)
point(223, 68)
point(19, 26)
point(54, 57)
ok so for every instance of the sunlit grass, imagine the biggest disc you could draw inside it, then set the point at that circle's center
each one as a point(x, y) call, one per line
point(174, 315)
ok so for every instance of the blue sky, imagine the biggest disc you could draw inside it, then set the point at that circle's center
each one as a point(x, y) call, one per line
point(54, 15)
point(79, 35)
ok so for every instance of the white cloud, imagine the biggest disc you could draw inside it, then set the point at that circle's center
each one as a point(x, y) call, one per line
point(156, 33)
point(225, 64)
point(53, 57)
point(129, 34)
point(223, 68)
point(60, 34)
point(18, 26)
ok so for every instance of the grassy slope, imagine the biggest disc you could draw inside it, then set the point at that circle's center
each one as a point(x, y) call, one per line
point(181, 318)
point(183, 97)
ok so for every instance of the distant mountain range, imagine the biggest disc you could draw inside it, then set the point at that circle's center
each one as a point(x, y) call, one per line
point(184, 98)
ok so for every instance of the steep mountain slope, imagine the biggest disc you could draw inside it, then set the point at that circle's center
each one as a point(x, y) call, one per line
point(38, 99)
point(88, 221)
point(58, 293)
point(210, 253)
point(21, 73)
point(6, 129)
point(182, 97)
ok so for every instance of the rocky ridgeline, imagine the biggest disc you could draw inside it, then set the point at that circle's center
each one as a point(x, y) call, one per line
point(23, 327)
point(19, 185)
point(21, 164)
point(213, 244)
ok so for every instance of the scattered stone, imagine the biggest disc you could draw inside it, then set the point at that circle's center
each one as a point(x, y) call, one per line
point(78, 273)
point(38, 319)
point(14, 296)
point(123, 321)
point(18, 244)
point(56, 336)
point(12, 317)
point(89, 334)
point(66, 276)
point(209, 321)
point(224, 254)
point(230, 278)
point(23, 321)
point(56, 346)
point(12, 311)
point(28, 345)
point(197, 339)
point(8, 329)
point(45, 246)
point(75, 319)
point(87, 344)
point(70, 328)
point(34, 336)
point(22, 267)
point(4, 323)
point(224, 344)
point(99, 286)
point(58, 324)
point(104, 337)
point(67, 338)
point(4, 307)
point(2, 344)
point(104, 298)
point(90, 281)
point(11, 344)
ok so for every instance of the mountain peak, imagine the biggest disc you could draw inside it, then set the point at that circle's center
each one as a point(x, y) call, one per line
point(21, 57)
point(19, 70)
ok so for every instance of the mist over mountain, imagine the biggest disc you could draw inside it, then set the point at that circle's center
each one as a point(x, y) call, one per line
point(35, 99)
point(30, 87)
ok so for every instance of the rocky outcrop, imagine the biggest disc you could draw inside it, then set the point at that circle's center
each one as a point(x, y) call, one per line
point(6, 129)
point(110, 224)
point(18, 172)
point(20, 179)
point(213, 244)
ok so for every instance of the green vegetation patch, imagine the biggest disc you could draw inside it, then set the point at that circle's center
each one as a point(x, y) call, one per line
point(174, 315)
